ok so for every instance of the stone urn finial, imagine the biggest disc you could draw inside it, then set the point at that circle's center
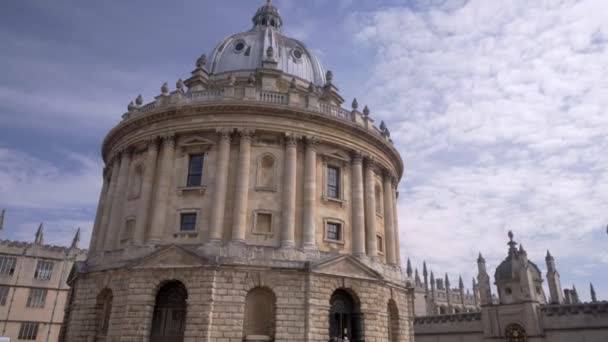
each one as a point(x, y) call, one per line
point(231, 80)
point(329, 76)
point(179, 85)
point(366, 111)
point(270, 52)
point(201, 61)
point(355, 104)
point(311, 88)
point(164, 89)
point(292, 84)
point(251, 79)
point(139, 100)
point(131, 106)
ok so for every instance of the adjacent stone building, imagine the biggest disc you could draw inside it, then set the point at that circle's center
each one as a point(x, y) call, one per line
point(246, 205)
point(33, 287)
point(523, 312)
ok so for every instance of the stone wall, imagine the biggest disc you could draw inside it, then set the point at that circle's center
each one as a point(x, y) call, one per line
point(465, 327)
point(576, 323)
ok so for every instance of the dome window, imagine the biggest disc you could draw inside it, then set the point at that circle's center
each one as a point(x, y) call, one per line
point(297, 53)
point(239, 46)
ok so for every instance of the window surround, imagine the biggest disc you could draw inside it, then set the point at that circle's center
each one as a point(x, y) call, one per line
point(339, 163)
point(328, 220)
point(44, 270)
point(379, 200)
point(125, 235)
point(254, 229)
point(178, 233)
point(273, 187)
point(133, 193)
point(380, 244)
point(194, 145)
point(8, 264)
point(36, 298)
point(28, 331)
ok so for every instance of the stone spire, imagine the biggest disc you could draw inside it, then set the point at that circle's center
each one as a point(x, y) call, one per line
point(76, 239)
point(430, 300)
point(593, 295)
point(417, 278)
point(409, 268)
point(448, 292)
point(553, 281)
point(483, 280)
point(475, 292)
point(461, 289)
point(2, 219)
point(426, 278)
point(39, 240)
point(575, 299)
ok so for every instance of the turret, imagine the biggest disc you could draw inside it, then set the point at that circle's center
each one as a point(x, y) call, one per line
point(409, 268)
point(461, 288)
point(553, 280)
point(431, 300)
point(593, 295)
point(448, 292)
point(417, 278)
point(426, 278)
point(483, 280)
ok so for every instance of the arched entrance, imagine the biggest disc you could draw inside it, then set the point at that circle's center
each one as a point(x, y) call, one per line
point(345, 318)
point(169, 320)
point(516, 333)
point(393, 321)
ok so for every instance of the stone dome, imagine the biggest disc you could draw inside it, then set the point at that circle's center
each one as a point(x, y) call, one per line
point(265, 44)
point(509, 269)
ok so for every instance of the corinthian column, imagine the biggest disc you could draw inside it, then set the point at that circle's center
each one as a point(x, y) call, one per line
point(289, 193)
point(396, 224)
point(100, 209)
point(163, 188)
point(145, 197)
point(116, 219)
point(389, 229)
point(107, 208)
point(358, 206)
point(310, 196)
point(241, 192)
point(370, 210)
point(219, 193)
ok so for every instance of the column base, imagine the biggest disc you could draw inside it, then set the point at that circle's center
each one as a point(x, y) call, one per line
point(310, 247)
point(288, 245)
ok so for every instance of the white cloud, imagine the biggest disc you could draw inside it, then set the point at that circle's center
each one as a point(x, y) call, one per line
point(503, 124)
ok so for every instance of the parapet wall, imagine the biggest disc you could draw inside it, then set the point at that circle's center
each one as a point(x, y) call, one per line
point(449, 328)
point(576, 322)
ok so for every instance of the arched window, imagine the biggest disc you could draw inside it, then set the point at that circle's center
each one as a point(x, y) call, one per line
point(136, 181)
point(265, 175)
point(169, 320)
point(378, 195)
point(516, 333)
point(393, 321)
point(260, 314)
point(345, 318)
point(442, 310)
point(103, 312)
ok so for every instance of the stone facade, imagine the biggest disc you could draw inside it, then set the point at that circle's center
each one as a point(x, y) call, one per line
point(522, 312)
point(33, 287)
point(246, 205)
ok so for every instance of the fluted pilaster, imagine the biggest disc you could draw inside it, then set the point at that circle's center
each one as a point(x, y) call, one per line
point(159, 215)
point(241, 192)
point(370, 210)
point(221, 183)
point(116, 218)
point(310, 195)
point(396, 224)
point(289, 192)
point(99, 213)
point(389, 229)
point(358, 206)
point(145, 196)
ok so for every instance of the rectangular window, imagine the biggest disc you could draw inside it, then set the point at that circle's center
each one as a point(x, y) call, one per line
point(37, 298)
point(333, 182)
point(188, 222)
point(263, 223)
point(128, 232)
point(7, 265)
point(380, 244)
point(28, 331)
point(3, 294)
point(44, 270)
point(334, 231)
point(195, 170)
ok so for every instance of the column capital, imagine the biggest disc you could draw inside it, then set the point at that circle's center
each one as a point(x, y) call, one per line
point(126, 152)
point(152, 143)
point(357, 157)
point(246, 134)
point(225, 135)
point(291, 140)
point(169, 140)
point(311, 142)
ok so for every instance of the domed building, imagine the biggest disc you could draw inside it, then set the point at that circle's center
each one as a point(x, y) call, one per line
point(245, 205)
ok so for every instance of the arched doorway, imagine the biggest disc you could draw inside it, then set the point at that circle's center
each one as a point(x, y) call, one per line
point(345, 318)
point(169, 320)
point(516, 333)
point(393, 321)
point(260, 315)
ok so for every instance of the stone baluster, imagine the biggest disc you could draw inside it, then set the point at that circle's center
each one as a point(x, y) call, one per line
point(241, 192)
point(370, 210)
point(114, 166)
point(289, 192)
point(389, 229)
point(396, 224)
point(99, 213)
point(310, 195)
point(145, 196)
point(221, 183)
point(116, 219)
point(159, 218)
point(358, 206)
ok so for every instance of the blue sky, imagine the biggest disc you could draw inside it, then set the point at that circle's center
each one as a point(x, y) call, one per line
point(498, 108)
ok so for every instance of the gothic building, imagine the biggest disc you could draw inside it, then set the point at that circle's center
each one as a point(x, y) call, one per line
point(33, 286)
point(523, 312)
point(246, 205)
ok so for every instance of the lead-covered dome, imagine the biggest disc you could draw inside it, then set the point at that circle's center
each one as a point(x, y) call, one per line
point(265, 46)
